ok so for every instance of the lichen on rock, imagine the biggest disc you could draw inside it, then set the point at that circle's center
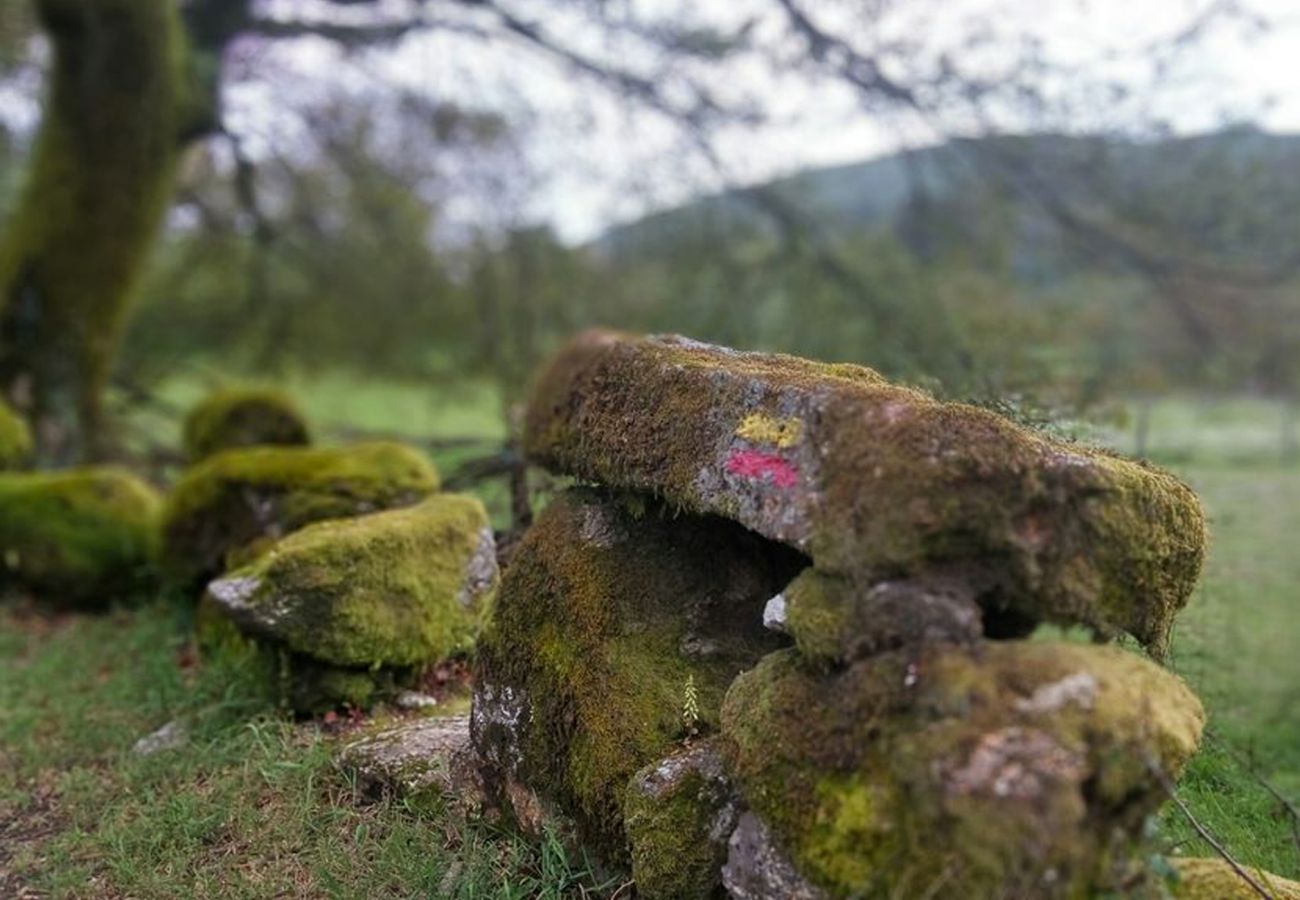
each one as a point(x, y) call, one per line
point(243, 417)
point(15, 439)
point(1004, 769)
point(608, 611)
point(874, 481)
point(232, 503)
point(84, 536)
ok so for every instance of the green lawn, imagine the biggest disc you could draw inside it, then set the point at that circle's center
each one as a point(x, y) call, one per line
point(1238, 644)
point(252, 806)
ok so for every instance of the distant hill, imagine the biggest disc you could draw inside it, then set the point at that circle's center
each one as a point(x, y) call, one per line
point(1240, 186)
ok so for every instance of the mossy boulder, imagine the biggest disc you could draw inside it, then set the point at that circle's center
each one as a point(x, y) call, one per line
point(1214, 879)
point(283, 678)
point(400, 588)
point(227, 506)
point(388, 593)
point(678, 813)
point(875, 481)
point(1003, 770)
point(15, 439)
point(243, 417)
point(613, 611)
point(84, 536)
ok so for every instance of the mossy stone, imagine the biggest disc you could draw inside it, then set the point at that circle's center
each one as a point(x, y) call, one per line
point(400, 588)
point(234, 502)
point(678, 813)
point(84, 536)
point(282, 678)
point(1007, 769)
point(835, 621)
point(611, 612)
point(1214, 879)
point(875, 481)
point(243, 417)
point(15, 439)
point(424, 762)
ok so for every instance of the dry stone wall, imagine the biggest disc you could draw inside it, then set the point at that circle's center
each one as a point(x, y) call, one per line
point(777, 647)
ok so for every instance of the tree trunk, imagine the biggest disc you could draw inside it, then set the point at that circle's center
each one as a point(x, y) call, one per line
point(99, 185)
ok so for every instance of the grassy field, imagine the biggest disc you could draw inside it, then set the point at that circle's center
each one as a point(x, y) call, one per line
point(252, 806)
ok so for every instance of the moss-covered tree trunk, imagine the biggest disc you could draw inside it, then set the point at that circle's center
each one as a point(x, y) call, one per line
point(97, 191)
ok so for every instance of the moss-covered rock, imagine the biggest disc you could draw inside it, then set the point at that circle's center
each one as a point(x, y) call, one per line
point(873, 480)
point(831, 621)
point(243, 417)
point(678, 813)
point(282, 678)
point(611, 614)
point(1007, 769)
point(85, 536)
point(1214, 879)
point(15, 439)
point(399, 588)
point(230, 503)
point(425, 762)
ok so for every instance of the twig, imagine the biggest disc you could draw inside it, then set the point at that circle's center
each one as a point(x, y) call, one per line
point(1277, 795)
point(1204, 832)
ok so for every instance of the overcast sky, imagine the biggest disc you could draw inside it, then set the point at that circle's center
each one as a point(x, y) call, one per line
point(600, 164)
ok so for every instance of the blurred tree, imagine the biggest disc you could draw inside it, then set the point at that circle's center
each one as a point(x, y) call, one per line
point(148, 92)
point(96, 194)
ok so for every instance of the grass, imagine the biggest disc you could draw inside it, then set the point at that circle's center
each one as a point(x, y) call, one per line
point(1238, 645)
point(252, 805)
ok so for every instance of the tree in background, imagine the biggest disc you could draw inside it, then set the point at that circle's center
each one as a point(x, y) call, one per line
point(671, 59)
point(98, 189)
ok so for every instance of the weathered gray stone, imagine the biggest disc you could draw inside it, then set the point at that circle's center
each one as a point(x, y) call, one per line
point(874, 481)
point(172, 736)
point(425, 760)
point(757, 869)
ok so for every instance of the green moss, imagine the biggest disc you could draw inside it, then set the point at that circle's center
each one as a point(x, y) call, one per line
point(15, 439)
point(1007, 769)
point(834, 620)
point(675, 813)
point(1214, 879)
point(875, 481)
point(399, 588)
point(86, 536)
point(243, 417)
point(238, 497)
point(98, 188)
point(603, 617)
point(286, 679)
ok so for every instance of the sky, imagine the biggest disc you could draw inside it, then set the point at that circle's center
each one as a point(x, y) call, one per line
point(593, 162)
point(1236, 73)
